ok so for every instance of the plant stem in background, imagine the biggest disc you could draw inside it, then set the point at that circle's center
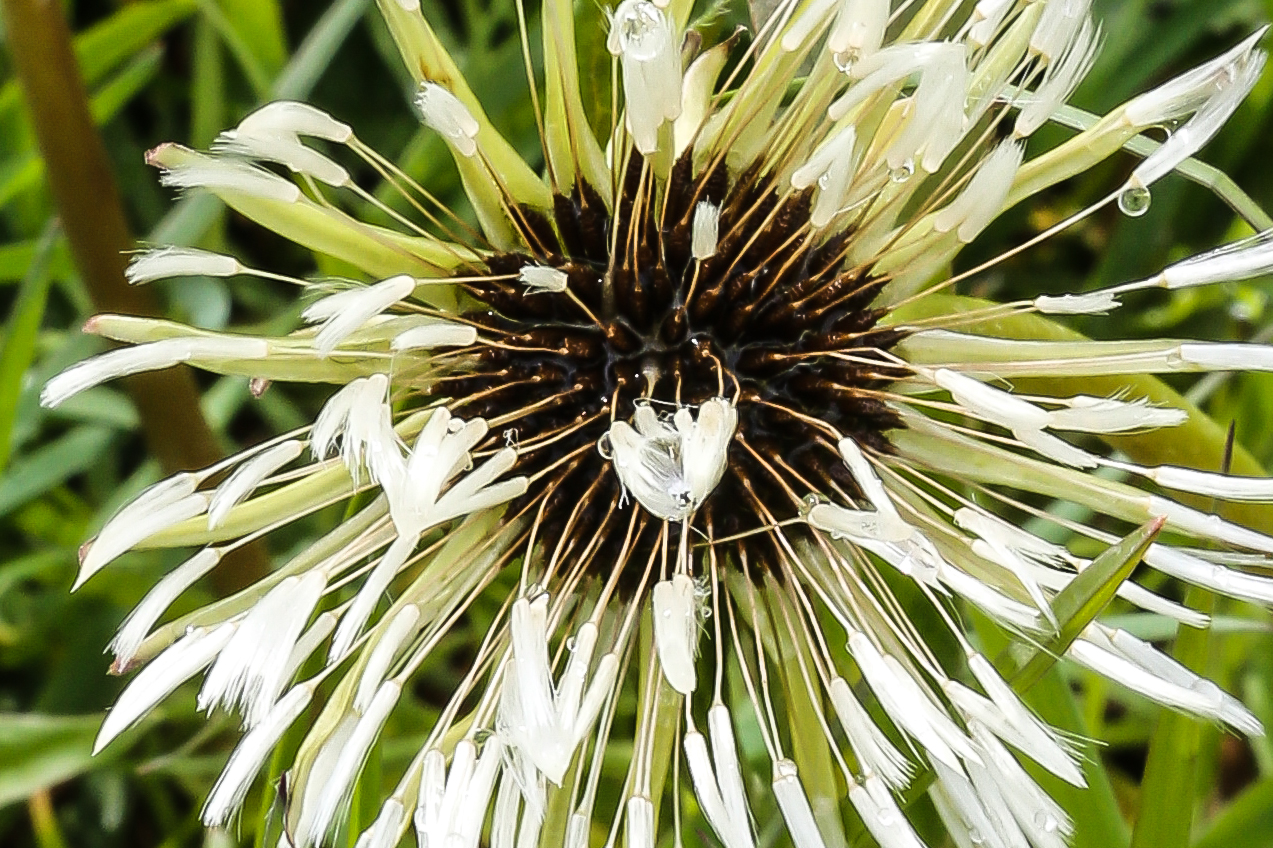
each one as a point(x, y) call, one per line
point(87, 200)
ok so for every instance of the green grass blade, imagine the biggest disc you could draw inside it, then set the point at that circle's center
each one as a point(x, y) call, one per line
point(315, 53)
point(23, 331)
point(130, 30)
point(51, 465)
point(120, 89)
point(104, 46)
point(25, 171)
point(16, 257)
point(258, 76)
point(38, 752)
point(207, 87)
point(1078, 604)
point(259, 24)
point(1245, 823)
point(1094, 810)
point(1168, 787)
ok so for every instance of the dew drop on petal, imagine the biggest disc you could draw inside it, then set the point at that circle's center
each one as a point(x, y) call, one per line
point(1134, 202)
point(807, 505)
point(1046, 822)
point(902, 172)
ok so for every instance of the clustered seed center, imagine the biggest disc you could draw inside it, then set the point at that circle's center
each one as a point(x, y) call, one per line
point(773, 320)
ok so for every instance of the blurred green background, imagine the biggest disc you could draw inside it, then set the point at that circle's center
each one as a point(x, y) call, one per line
point(181, 70)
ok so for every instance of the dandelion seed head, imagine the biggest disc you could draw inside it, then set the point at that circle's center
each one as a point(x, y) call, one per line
point(675, 419)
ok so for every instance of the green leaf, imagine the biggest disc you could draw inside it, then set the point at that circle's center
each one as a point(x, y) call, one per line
point(1168, 787)
point(40, 751)
point(257, 74)
point(45, 565)
point(314, 55)
point(24, 171)
point(259, 23)
point(19, 174)
point(23, 330)
point(1078, 604)
point(104, 46)
point(207, 87)
point(16, 257)
point(116, 92)
point(1245, 823)
point(51, 465)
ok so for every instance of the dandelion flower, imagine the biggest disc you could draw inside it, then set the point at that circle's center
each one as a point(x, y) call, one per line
point(687, 416)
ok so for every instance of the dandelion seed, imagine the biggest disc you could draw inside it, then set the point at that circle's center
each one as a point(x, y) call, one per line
point(540, 279)
point(179, 262)
point(444, 113)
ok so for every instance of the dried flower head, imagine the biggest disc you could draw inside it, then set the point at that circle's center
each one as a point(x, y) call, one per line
point(696, 419)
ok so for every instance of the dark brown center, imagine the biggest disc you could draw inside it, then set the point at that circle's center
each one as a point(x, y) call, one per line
point(773, 319)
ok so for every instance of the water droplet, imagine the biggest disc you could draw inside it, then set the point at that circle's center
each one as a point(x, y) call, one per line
point(1046, 822)
point(706, 612)
point(1207, 688)
point(1247, 308)
point(571, 643)
point(823, 180)
point(807, 505)
point(975, 837)
point(604, 448)
point(1134, 202)
point(902, 172)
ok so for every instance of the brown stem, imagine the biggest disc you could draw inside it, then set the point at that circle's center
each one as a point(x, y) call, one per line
point(84, 192)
